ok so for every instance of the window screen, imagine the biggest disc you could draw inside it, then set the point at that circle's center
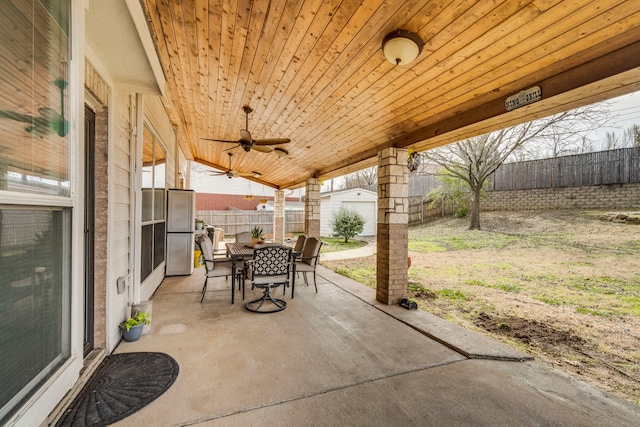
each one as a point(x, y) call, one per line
point(34, 299)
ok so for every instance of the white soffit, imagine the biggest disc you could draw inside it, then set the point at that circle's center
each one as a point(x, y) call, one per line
point(117, 33)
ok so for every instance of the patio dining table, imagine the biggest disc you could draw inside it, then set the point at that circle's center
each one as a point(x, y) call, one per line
point(244, 251)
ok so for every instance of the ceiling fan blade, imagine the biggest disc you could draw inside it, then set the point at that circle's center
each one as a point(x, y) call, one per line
point(252, 174)
point(220, 140)
point(262, 149)
point(271, 141)
point(227, 149)
point(217, 173)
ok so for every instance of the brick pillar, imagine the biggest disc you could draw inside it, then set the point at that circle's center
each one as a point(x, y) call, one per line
point(101, 229)
point(393, 226)
point(312, 208)
point(278, 216)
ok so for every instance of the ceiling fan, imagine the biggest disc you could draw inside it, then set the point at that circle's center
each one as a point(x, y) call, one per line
point(230, 173)
point(247, 142)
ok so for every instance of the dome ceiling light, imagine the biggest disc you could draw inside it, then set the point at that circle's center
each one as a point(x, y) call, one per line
point(401, 47)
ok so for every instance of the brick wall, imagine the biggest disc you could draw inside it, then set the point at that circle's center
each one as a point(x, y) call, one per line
point(614, 196)
point(223, 202)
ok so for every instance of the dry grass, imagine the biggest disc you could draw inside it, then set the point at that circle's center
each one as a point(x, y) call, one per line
point(560, 285)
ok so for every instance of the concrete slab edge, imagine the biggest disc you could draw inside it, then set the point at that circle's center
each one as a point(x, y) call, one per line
point(466, 342)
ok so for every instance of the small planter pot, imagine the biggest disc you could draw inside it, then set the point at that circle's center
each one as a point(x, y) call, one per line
point(133, 334)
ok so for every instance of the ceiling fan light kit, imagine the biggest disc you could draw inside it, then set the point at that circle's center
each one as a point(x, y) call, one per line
point(401, 47)
point(281, 152)
point(246, 141)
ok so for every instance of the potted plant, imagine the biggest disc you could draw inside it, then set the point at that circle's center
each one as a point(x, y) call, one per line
point(256, 235)
point(199, 224)
point(132, 327)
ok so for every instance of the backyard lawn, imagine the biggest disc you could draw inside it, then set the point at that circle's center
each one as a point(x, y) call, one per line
point(562, 286)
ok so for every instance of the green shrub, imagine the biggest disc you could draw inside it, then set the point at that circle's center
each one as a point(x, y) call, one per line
point(461, 212)
point(347, 223)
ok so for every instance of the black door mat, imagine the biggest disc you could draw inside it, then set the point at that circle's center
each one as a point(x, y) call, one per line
point(123, 384)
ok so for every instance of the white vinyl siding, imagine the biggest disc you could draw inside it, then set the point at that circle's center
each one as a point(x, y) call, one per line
point(119, 257)
point(365, 202)
point(368, 211)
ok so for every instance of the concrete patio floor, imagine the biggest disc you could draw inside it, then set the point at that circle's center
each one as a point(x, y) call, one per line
point(339, 358)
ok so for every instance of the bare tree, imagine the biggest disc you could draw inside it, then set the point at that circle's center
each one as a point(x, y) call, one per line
point(586, 145)
point(612, 141)
point(474, 160)
point(631, 136)
point(362, 179)
point(571, 137)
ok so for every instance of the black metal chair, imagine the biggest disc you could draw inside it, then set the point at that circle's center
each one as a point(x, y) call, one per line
point(269, 269)
point(218, 267)
point(307, 262)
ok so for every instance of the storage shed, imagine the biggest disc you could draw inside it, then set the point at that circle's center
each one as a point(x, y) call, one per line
point(363, 201)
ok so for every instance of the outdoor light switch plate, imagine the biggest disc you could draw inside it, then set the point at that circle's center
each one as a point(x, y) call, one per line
point(122, 284)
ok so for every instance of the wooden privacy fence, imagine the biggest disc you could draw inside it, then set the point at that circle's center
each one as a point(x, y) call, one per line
point(236, 221)
point(619, 166)
point(421, 212)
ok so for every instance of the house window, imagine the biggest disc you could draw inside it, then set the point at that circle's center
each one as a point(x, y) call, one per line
point(35, 197)
point(34, 299)
point(153, 204)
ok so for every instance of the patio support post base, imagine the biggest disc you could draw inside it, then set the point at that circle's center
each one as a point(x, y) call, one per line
point(393, 226)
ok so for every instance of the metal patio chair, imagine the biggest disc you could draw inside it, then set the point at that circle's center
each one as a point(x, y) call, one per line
point(218, 267)
point(243, 237)
point(307, 262)
point(300, 244)
point(269, 269)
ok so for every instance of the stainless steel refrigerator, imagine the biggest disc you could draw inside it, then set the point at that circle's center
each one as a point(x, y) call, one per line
point(181, 211)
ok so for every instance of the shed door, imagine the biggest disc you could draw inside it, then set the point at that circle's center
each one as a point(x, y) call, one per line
point(368, 211)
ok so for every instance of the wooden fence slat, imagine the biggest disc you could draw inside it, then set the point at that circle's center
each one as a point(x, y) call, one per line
point(236, 221)
point(618, 166)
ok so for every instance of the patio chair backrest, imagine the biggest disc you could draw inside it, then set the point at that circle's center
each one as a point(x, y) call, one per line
point(300, 243)
point(311, 251)
point(243, 237)
point(207, 252)
point(273, 260)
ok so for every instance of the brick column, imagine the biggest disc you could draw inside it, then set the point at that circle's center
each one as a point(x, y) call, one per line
point(278, 216)
point(393, 226)
point(101, 229)
point(312, 208)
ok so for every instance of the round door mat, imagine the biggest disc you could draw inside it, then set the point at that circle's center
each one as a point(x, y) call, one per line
point(123, 384)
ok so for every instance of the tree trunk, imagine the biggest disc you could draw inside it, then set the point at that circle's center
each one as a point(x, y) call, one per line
point(475, 210)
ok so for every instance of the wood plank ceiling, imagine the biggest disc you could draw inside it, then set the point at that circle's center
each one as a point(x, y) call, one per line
point(313, 71)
